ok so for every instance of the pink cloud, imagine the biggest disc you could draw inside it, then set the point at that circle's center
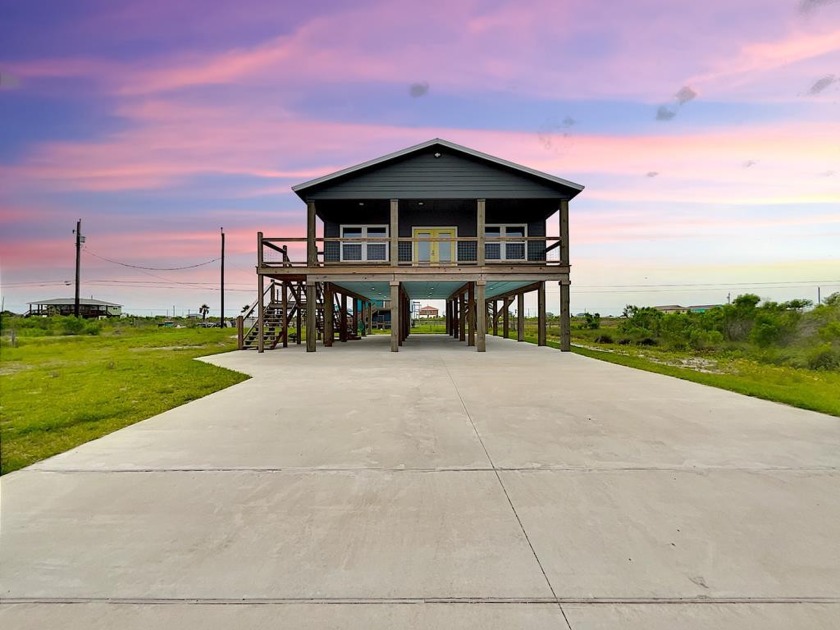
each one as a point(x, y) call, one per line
point(469, 47)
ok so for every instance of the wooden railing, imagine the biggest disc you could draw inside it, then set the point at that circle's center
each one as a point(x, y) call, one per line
point(414, 251)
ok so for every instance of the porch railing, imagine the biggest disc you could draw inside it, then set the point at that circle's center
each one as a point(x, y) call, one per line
point(411, 251)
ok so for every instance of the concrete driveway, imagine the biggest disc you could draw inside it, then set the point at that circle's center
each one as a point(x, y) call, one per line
point(435, 488)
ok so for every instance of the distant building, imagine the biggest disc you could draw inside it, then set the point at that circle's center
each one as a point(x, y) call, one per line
point(671, 308)
point(428, 311)
point(88, 308)
point(676, 308)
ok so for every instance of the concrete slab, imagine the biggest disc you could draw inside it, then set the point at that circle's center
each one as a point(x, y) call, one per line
point(324, 413)
point(673, 534)
point(301, 616)
point(535, 410)
point(717, 616)
point(174, 535)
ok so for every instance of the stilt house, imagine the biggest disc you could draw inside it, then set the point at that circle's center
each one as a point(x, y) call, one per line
point(433, 221)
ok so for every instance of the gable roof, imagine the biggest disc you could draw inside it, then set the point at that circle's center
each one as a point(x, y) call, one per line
point(569, 188)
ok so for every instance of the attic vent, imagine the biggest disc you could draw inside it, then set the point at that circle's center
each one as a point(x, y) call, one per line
point(437, 154)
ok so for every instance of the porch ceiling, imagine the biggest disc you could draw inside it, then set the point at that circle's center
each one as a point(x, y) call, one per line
point(420, 290)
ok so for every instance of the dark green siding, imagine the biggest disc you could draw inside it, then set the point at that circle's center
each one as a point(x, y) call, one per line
point(423, 176)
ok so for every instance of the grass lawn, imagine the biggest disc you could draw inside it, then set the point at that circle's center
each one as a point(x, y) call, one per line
point(807, 389)
point(59, 392)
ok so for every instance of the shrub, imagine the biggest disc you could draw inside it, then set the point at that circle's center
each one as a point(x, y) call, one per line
point(603, 338)
point(70, 325)
point(823, 357)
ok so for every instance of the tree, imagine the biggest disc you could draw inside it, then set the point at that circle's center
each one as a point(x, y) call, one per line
point(203, 309)
point(832, 300)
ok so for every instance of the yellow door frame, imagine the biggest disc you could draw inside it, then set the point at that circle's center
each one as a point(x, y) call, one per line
point(435, 247)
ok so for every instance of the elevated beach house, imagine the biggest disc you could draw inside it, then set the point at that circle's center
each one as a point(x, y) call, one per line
point(436, 221)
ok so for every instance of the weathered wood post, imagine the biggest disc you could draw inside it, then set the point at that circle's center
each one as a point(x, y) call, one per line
point(329, 328)
point(299, 313)
point(481, 312)
point(506, 317)
point(471, 314)
point(481, 213)
point(395, 316)
point(520, 317)
point(395, 232)
point(240, 332)
point(565, 318)
point(462, 316)
point(541, 320)
point(284, 307)
point(311, 312)
point(342, 319)
point(565, 309)
point(261, 312)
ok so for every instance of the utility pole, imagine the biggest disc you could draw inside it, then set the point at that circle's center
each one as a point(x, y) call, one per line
point(222, 309)
point(79, 240)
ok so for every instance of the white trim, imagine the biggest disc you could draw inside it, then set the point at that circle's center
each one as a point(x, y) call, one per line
point(504, 241)
point(364, 245)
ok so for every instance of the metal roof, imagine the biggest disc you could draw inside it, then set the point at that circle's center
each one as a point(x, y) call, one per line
point(72, 301)
point(299, 188)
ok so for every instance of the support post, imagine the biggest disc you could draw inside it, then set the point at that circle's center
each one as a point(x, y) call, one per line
point(311, 312)
point(564, 232)
point(520, 317)
point(299, 314)
point(240, 331)
point(395, 316)
point(342, 319)
point(506, 317)
point(329, 328)
point(481, 312)
point(311, 245)
point(481, 214)
point(284, 307)
point(495, 316)
point(261, 313)
point(471, 314)
point(395, 232)
point(541, 331)
point(462, 317)
point(565, 318)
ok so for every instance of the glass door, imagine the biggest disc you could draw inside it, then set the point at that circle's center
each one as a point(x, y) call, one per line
point(433, 247)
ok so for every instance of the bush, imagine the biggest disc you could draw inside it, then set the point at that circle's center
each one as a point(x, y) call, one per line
point(603, 338)
point(70, 325)
point(823, 357)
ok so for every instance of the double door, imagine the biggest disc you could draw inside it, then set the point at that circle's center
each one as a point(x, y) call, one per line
point(435, 245)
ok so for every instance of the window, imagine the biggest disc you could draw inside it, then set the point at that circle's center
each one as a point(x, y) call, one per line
point(365, 250)
point(504, 242)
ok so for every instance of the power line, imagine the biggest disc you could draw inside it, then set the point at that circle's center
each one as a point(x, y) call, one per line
point(122, 264)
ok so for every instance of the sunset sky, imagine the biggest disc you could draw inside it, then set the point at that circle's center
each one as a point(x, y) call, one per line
point(707, 135)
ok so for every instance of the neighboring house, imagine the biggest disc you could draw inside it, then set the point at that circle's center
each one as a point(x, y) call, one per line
point(433, 221)
point(675, 308)
point(428, 311)
point(88, 308)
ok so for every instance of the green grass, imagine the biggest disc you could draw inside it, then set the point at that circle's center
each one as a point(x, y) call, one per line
point(59, 392)
point(806, 389)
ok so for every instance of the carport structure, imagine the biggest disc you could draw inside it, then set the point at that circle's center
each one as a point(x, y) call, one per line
point(433, 221)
